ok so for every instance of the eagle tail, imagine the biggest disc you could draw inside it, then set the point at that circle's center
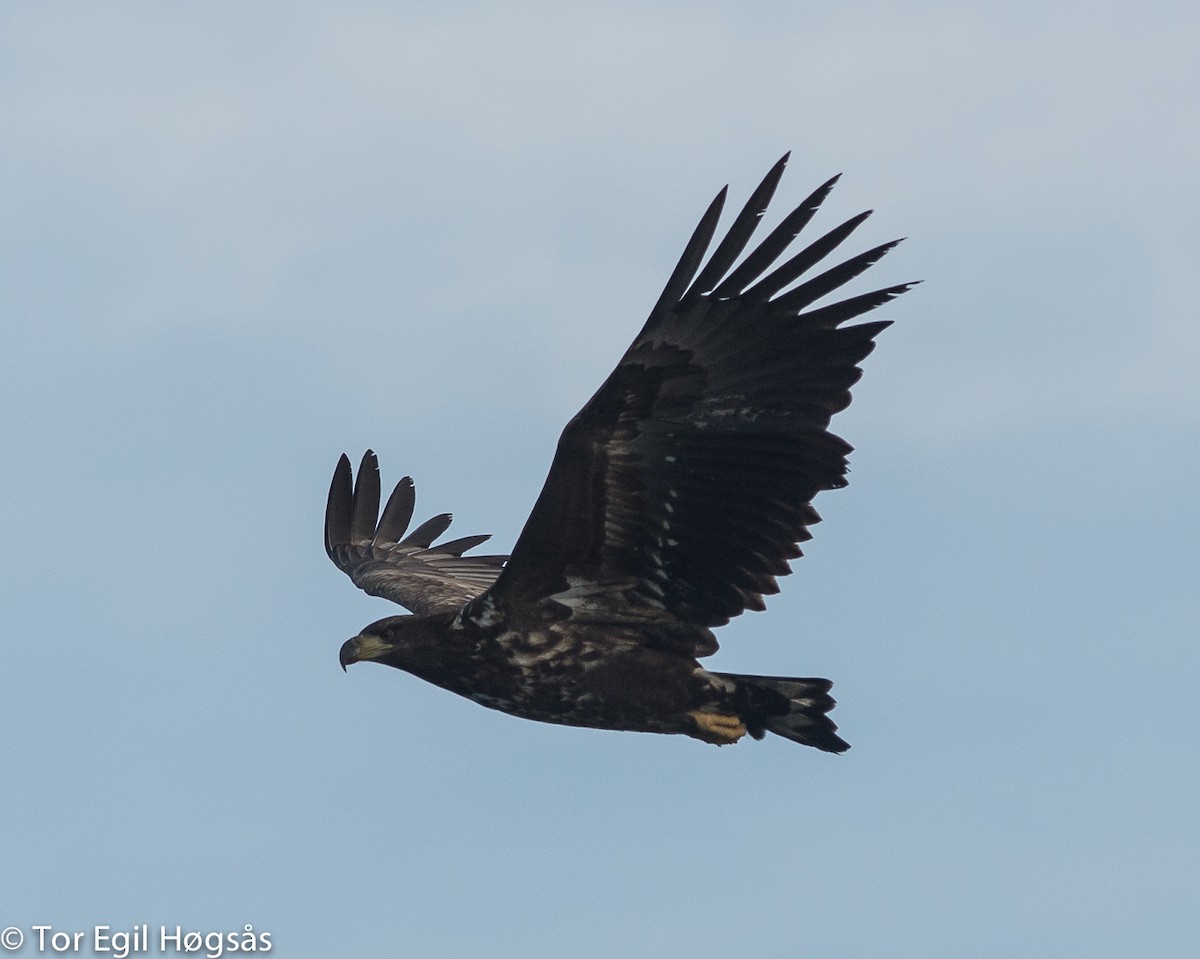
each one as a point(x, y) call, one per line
point(796, 709)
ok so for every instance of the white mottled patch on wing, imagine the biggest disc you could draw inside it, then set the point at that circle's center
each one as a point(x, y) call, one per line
point(608, 601)
point(482, 611)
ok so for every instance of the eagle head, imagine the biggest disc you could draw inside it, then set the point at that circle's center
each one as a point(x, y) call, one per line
point(375, 641)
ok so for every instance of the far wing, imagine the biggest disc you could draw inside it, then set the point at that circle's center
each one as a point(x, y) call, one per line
point(410, 571)
point(685, 483)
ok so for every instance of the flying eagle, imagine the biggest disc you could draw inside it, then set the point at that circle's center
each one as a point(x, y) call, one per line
point(676, 497)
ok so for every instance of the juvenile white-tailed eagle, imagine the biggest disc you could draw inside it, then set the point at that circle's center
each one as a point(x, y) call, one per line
point(676, 497)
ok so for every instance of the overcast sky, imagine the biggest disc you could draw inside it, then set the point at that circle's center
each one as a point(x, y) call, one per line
point(240, 239)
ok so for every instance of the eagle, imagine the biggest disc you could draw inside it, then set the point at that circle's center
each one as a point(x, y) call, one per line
point(677, 496)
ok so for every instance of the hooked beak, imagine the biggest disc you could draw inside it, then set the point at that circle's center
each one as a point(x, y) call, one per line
point(348, 653)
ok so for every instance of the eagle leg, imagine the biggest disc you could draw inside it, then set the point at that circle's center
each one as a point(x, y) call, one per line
point(716, 728)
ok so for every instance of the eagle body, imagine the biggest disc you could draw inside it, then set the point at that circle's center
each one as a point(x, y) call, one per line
point(601, 677)
point(676, 498)
point(549, 671)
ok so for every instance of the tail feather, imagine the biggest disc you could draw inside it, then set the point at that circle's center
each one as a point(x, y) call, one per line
point(793, 708)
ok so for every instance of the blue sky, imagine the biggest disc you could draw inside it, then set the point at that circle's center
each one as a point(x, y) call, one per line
point(240, 239)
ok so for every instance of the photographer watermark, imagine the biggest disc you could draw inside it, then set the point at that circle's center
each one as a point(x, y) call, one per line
point(141, 940)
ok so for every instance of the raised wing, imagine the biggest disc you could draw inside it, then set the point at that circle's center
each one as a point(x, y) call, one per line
point(685, 483)
point(410, 571)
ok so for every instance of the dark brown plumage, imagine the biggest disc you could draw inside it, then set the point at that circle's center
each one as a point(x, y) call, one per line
point(676, 497)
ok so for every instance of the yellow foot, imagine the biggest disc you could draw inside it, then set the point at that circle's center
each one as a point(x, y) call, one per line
point(717, 729)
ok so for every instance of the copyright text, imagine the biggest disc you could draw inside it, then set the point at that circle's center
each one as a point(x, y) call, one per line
point(140, 940)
